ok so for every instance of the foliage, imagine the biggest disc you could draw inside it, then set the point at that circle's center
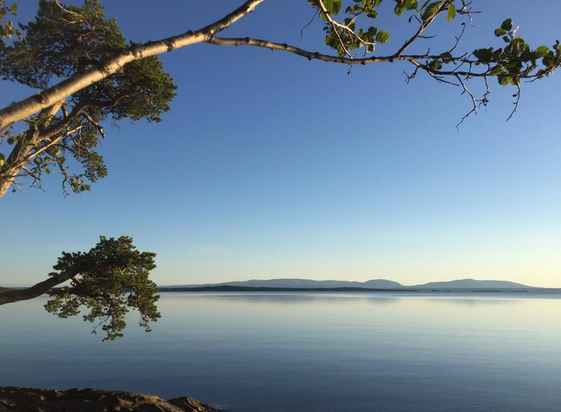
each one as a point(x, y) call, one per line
point(60, 42)
point(7, 29)
point(511, 63)
point(109, 280)
point(73, 42)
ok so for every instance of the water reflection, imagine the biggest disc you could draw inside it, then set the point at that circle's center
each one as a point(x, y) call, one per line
point(307, 351)
point(281, 298)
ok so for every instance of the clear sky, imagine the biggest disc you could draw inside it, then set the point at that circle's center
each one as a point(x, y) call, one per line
point(269, 165)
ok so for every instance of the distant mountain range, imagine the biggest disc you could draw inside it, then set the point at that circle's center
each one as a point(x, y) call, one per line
point(370, 284)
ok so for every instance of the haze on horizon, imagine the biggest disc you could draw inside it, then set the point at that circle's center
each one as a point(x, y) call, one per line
point(260, 176)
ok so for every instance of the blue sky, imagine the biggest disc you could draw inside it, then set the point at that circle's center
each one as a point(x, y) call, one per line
point(269, 165)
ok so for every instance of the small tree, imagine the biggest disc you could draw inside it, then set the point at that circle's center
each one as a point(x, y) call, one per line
point(109, 280)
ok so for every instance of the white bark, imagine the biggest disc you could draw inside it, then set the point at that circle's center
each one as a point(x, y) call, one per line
point(60, 92)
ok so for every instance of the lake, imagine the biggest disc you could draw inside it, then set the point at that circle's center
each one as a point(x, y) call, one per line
point(307, 351)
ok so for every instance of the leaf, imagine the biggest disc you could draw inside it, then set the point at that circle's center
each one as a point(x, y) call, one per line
point(451, 13)
point(411, 5)
point(423, 6)
point(507, 25)
point(337, 4)
point(328, 4)
point(483, 55)
point(446, 57)
point(382, 37)
point(431, 11)
point(500, 32)
point(548, 62)
point(14, 7)
point(504, 80)
point(541, 51)
point(11, 140)
point(435, 65)
point(495, 71)
point(399, 9)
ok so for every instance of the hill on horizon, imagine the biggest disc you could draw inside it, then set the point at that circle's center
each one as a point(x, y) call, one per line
point(474, 284)
point(369, 284)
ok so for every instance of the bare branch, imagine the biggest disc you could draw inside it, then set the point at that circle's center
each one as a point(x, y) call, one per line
point(474, 110)
point(516, 103)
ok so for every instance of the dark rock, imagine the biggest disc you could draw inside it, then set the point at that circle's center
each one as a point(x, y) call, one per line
point(16, 399)
point(189, 404)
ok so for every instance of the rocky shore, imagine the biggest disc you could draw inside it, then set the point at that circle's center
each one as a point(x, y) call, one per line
point(92, 400)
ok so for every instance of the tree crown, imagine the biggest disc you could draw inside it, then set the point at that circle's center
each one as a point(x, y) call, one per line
point(109, 280)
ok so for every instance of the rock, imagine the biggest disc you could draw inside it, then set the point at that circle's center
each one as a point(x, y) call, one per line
point(16, 399)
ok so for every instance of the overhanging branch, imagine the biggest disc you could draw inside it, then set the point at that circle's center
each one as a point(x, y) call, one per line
point(32, 292)
point(61, 91)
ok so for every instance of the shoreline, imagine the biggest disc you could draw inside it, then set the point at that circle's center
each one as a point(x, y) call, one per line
point(15, 398)
point(227, 288)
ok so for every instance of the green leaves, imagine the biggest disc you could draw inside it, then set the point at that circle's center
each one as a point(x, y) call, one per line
point(500, 32)
point(332, 6)
point(451, 13)
point(517, 60)
point(382, 37)
point(110, 280)
point(435, 65)
point(504, 80)
point(541, 51)
point(431, 10)
point(507, 25)
point(7, 29)
point(484, 55)
point(63, 41)
point(495, 71)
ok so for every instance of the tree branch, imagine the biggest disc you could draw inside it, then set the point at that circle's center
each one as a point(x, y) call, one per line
point(60, 92)
point(422, 28)
point(248, 41)
point(34, 291)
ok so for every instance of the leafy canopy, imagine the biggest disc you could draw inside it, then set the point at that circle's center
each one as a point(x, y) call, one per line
point(514, 61)
point(60, 42)
point(109, 280)
point(7, 29)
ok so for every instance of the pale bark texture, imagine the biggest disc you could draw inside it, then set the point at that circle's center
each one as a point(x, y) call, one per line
point(60, 92)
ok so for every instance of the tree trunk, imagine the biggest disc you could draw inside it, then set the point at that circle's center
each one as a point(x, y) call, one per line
point(16, 160)
point(6, 180)
point(32, 292)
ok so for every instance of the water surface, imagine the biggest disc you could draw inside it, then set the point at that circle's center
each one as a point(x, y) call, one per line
point(307, 352)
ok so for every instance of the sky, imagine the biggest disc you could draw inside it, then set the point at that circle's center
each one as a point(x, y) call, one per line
point(272, 166)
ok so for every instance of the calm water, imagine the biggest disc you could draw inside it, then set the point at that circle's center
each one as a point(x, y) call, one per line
point(307, 352)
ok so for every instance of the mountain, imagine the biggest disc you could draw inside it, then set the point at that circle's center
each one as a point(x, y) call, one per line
point(473, 284)
point(370, 284)
point(306, 283)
